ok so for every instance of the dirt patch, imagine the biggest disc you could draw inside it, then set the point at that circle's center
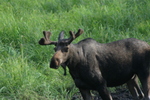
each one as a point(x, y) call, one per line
point(119, 93)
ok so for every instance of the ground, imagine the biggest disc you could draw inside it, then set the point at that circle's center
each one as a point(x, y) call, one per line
point(118, 93)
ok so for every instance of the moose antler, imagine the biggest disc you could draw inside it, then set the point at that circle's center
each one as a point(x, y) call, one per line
point(74, 36)
point(80, 31)
point(46, 39)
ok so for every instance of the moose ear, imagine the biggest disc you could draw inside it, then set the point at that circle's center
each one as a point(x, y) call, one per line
point(61, 35)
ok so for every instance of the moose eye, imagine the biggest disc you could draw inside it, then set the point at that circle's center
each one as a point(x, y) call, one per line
point(65, 49)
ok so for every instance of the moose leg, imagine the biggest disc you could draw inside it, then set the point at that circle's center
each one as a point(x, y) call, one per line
point(134, 88)
point(104, 93)
point(64, 67)
point(145, 81)
point(85, 94)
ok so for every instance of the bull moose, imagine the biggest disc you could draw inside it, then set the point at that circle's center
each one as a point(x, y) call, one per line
point(96, 66)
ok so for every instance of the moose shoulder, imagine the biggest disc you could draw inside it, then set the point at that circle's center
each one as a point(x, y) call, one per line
point(94, 66)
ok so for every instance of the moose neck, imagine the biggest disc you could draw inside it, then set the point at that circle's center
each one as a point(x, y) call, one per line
point(74, 56)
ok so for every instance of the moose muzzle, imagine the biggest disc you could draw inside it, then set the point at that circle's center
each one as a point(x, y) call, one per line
point(56, 60)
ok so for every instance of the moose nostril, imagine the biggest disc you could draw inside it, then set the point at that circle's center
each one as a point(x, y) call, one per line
point(57, 61)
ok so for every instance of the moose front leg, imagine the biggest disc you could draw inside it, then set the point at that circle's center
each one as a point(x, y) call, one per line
point(84, 89)
point(64, 67)
point(85, 94)
point(104, 93)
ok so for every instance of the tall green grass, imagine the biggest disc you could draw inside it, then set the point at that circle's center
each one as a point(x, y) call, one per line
point(24, 65)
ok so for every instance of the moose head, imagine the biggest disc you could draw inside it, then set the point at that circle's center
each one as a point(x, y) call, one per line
point(62, 46)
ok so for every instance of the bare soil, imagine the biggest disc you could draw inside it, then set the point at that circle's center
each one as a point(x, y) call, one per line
point(118, 93)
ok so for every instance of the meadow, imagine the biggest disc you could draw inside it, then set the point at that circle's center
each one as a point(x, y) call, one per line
point(24, 64)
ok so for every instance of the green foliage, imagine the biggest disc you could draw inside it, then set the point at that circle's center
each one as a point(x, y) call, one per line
point(24, 65)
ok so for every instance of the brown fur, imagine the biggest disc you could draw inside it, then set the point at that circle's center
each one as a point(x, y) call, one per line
point(96, 66)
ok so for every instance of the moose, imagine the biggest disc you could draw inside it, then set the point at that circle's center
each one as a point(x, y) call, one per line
point(96, 66)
